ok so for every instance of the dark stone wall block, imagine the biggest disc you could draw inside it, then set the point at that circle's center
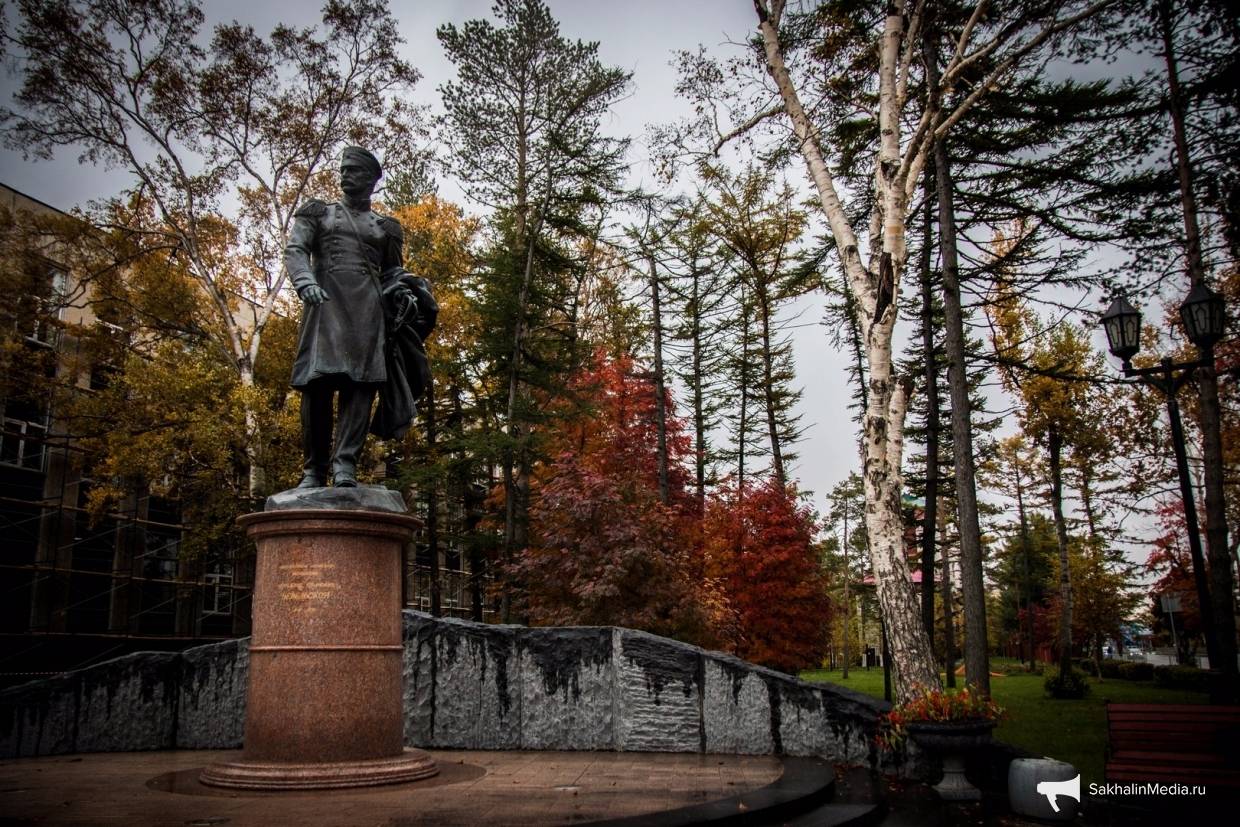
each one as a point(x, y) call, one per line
point(568, 680)
point(120, 705)
point(462, 685)
point(213, 679)
point(658, 694)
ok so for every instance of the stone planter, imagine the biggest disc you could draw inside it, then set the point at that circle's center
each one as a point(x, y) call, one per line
point(953, 741)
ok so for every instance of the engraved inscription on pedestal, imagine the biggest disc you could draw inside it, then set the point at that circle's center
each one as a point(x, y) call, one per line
point(303, 585)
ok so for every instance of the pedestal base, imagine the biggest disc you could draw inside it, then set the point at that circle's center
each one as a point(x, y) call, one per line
point(324, 700)
point(413, 765)
point(954, 786)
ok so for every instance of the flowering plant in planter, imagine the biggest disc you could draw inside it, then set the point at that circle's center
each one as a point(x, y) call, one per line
point(939, 706)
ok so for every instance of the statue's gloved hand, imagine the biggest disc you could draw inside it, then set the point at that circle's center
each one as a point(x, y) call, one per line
point(406, 306)
point(313, 295)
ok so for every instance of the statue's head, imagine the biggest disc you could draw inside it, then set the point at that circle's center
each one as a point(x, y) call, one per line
point(359, 172)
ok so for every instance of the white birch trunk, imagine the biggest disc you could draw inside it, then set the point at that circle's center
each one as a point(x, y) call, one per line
point(243, 353)
point(258, 473)
point(876, 288)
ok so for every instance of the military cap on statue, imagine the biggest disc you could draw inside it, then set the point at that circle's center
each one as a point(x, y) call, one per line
point(361, 156)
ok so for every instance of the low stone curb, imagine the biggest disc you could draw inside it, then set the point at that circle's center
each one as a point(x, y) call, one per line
point(805, 784)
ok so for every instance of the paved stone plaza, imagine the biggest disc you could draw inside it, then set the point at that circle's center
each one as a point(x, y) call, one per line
point(495, 788)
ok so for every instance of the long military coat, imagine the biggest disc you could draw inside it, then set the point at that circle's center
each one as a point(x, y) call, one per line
point(345, 335)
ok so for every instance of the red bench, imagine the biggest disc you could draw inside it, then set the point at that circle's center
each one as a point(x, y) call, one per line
point(1170, 743)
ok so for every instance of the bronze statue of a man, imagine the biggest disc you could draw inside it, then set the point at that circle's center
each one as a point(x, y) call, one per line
point(362, 326)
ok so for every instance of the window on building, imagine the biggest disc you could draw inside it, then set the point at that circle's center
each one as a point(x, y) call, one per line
point(38, 314)
point(101, 376)
point(160, 563)
point(452, 558)
point(217, 596)
point(104, 368)
point(162, 560)
point(422, 555)
point(23, 440)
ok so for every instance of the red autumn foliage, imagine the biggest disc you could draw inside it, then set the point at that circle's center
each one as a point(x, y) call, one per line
point(1171, 559)
point(1044, 629)
point(617, 432)
point(605, 550)
point(758, 544)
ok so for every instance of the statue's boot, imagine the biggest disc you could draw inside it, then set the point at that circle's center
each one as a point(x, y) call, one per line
point(316, 434)
point(310, 479)
point(352, 422)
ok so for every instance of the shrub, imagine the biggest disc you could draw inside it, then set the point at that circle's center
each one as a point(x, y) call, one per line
point(1182, 677)
point(1136, 671)
point(1128, 670)
point(1112, 668)
point(1072, 684)
point(1086, 665)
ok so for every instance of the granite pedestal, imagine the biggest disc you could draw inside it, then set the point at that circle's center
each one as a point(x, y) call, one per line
point(324, 705)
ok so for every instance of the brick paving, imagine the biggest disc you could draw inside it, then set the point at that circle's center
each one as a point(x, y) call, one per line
point(474, 788)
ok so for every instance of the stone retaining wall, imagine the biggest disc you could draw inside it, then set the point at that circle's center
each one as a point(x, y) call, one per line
point(474, 686)
point(470, 686)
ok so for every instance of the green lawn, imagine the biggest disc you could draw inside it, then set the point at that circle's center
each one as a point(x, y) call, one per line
point(1072, 731)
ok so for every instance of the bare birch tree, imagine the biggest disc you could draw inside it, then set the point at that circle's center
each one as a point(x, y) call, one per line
point(246, 121)
point(984, 48)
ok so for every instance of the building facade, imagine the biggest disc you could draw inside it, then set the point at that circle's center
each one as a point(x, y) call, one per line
point(79, 588)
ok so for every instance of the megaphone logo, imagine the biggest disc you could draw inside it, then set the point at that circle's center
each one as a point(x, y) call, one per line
point(1054, 789)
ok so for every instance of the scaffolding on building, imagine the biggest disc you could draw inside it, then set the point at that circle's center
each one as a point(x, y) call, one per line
point(78, 587)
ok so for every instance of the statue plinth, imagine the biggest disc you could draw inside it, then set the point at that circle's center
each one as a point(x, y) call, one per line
point(324, 705)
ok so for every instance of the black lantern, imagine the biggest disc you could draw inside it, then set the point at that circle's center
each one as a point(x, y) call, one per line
point(1202, 314)
point(1122, 323)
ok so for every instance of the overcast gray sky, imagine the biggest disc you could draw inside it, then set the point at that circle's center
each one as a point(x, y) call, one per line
point(637, 35)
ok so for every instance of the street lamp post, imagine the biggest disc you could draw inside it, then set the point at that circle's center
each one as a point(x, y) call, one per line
point(1203, 319)
point(1171, 605)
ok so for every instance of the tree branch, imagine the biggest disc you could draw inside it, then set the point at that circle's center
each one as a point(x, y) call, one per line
point(1004, 66)
point(778, 109)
